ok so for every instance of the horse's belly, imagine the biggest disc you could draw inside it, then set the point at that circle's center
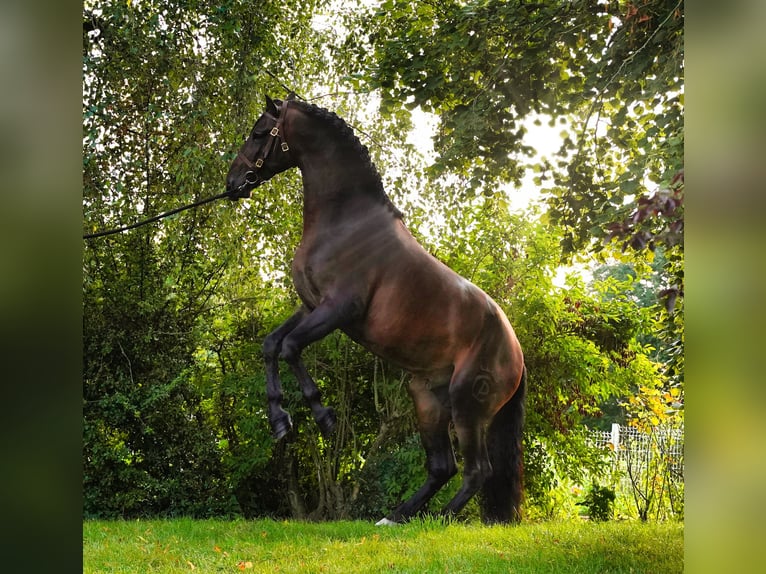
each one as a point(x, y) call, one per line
point(416, 356)
point(424, 335)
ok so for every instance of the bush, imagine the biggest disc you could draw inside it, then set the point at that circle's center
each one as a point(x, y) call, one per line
point(599, 502)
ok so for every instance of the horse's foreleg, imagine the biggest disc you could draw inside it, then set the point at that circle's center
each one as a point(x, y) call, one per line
point(433, 413)
point(312, 327)
point(279, 419)
point(324, 416)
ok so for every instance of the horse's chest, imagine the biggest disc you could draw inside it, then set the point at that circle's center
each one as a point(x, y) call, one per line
point(310, 278)
point(321, 271)
point(305, 286)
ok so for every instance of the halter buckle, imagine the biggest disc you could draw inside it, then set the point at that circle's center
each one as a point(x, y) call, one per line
point(274, 131)
point(285, 147)
point(258, 163)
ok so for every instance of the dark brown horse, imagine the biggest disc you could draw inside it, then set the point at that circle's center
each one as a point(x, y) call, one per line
point(358, 269)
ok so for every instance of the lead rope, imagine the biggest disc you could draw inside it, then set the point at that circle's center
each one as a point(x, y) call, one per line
point(276, 133)
point(160, 216)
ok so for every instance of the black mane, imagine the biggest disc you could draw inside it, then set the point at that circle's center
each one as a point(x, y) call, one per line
point(346, 133)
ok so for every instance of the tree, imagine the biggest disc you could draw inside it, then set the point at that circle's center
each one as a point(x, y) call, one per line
point(609, 73)
point(167, 88)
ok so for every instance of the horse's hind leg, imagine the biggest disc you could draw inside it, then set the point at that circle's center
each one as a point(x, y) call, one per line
point(433, 413)
point(471, 410)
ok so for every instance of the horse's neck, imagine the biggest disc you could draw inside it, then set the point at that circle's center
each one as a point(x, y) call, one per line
point(331, 205)
point(334, 190)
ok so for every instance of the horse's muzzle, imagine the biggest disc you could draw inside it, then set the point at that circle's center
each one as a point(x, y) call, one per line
point(240, 194)
point(244, 190)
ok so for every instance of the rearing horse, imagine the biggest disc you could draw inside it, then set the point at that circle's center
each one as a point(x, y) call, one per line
point(358, 269)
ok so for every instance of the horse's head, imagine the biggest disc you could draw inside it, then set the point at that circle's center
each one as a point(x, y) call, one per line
point(264, 154)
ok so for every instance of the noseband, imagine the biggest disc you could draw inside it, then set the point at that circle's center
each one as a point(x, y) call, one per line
point(252, 177)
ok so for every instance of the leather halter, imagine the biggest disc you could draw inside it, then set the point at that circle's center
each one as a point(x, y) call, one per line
point(265, 151)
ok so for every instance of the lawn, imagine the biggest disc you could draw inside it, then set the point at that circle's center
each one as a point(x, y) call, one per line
point(185, 545)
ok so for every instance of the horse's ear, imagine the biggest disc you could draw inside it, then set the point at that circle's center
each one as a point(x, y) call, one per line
point(271, 107)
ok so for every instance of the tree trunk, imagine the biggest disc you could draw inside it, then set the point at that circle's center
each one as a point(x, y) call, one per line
point(294, 498)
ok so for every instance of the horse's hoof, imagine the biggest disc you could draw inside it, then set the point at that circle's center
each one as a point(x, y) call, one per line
point(386, 522)
point(326, 421)
point(281, 426)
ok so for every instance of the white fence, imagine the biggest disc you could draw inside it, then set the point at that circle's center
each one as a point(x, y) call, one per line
point(630, 444)
point(648, 466)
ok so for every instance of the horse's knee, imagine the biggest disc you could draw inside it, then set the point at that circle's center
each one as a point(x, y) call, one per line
point(289, 350)
point(284, 348)
point(271, 347)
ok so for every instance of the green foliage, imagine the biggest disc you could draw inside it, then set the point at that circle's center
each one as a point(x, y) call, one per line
point(599, 502)
point(612, 71)
point(389, 478)
point(166, 90)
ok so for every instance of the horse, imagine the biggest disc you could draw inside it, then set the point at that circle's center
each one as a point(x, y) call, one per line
point(359, 269)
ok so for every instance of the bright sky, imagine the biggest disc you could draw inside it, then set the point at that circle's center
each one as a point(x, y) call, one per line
point(543, 138)
point(546, 140)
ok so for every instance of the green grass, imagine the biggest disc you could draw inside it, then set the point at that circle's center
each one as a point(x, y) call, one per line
point(184, 545)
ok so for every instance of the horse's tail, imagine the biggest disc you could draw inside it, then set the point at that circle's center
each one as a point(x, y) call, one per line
point(502, 492)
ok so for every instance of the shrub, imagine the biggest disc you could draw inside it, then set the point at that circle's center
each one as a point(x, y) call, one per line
point(599, 502)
